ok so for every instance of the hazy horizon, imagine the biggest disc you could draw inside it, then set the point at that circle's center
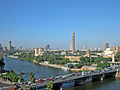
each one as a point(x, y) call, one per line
point(32, 24)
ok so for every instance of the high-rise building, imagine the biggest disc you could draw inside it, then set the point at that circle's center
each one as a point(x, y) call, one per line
point(39, 51)
point(1, 48)
point(106, 45)
point(9, 46)
point(70, 46)
point(47, 47)
point(20, 47)
point(5, 48)
point(85, 47)
point(116, 50)
point(73, 42)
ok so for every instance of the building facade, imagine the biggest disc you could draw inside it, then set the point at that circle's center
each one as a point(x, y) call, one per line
point(73, 58)
point(47, 47)
point(88, 53)
point(116, 50)
point(10, 47)
point(39, 51)
point(108, 53)
point(106, 45)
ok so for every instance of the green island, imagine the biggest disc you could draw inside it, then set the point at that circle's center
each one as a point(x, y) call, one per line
point(52, 58)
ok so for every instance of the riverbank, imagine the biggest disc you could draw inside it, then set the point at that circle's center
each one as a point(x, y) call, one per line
point(55, 66)
point(45, 64)
point(89, 68)
point(11, 56)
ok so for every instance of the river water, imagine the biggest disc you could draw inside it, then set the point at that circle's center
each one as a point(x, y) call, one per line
point(45, 71)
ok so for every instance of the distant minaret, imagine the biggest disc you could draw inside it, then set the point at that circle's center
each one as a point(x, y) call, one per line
point(9, 46)
point(71, 47)
point(88, 53)
point(73, 42)
point(85, 47)
point(113, 58)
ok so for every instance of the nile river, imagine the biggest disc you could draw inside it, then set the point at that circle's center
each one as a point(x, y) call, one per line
point(44, 72)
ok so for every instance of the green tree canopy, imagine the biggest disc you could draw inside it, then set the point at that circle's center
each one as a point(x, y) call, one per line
point(32, 78)
point(49, 85)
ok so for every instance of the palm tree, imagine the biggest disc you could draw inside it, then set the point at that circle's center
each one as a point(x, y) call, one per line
point(20, 76)
point(12, 77)
point(32, 79)
point(1, 64)
point(49, 85)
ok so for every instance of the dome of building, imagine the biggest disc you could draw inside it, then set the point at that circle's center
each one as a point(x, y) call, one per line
point(108, 49)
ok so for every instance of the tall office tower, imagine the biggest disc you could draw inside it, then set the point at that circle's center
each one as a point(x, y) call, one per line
point(20, 47)
point(106, 45)
point(1, 48)
point(9, 46)
point(70, 46)
point(73, 42)
point(85, 47)
point(47, 47)
point(5, 48)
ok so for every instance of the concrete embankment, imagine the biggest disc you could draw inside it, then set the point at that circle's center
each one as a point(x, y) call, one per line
point(11, 56)
point(51, 65)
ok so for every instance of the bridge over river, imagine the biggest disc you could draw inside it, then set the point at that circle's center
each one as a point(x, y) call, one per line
point(78, 78)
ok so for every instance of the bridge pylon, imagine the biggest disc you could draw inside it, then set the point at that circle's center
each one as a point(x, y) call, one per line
point(118, 73)
point(57, 86)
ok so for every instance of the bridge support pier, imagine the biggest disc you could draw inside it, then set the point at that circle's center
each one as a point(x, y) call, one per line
point(96, 78)
point(118, 73)
point(102, 77)
point(57, 86)
point(79, 81)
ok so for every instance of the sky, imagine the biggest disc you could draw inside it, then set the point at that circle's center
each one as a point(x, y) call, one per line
point(36, 23)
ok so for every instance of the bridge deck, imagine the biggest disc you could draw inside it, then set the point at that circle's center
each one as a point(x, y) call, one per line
point(43, 84)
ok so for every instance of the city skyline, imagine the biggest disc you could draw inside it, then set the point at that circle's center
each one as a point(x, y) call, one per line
point(38, 23)
point(72, 46)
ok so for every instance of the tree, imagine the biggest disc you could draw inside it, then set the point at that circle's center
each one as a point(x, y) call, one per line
point(103, 65)
point(12, 77)
point(20, 75)
point(1, 64)
point(32, 78)
point(78, 65)
point(70, 66)
point(1, 58)
point(49, 85)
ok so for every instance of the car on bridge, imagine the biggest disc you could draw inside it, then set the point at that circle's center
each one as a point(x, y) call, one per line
point(77, 74)
point(84, 73)
point(49, 79)
point(57, 77)
point(16, 87)
point(40, 80)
